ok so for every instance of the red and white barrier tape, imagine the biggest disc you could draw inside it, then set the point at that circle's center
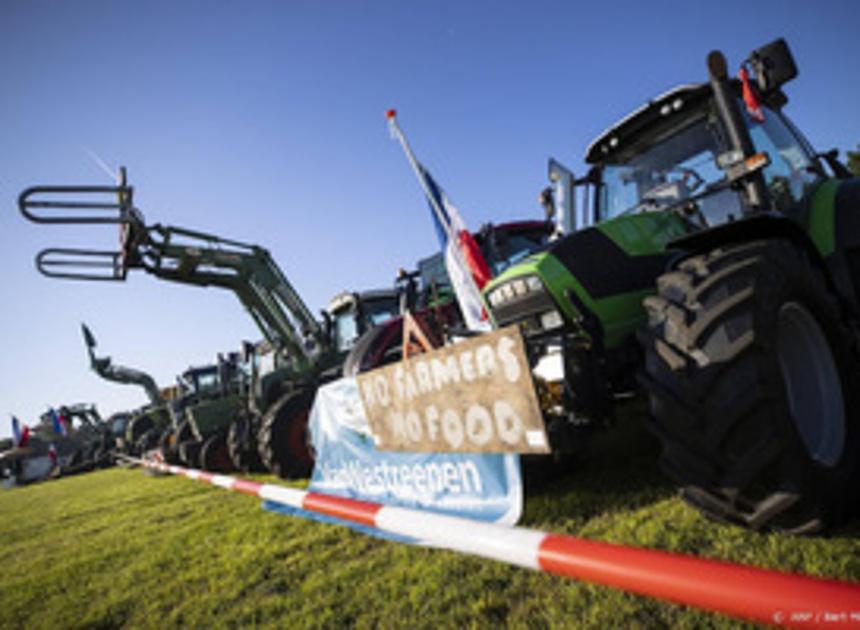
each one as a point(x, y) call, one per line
point(759, 595)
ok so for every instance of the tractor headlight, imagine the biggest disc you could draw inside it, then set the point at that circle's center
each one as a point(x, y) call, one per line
point(516, 288)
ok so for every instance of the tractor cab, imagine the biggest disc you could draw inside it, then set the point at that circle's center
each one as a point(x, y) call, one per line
point(506, 244)
point(675, 155)
point(352, 314)
point(200, 382)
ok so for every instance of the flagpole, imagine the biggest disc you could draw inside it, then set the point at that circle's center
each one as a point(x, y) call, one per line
point(397, 132)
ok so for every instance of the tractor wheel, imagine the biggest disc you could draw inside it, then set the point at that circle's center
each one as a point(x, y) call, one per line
point(749, 366)
point(147, 441)
point(135, 431)
point(284, 437)
point(214, 456)
point(168, 443)
point(189, 453)
point(242, 446)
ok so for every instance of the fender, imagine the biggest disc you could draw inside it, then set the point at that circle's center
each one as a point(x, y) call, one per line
point(834, 266)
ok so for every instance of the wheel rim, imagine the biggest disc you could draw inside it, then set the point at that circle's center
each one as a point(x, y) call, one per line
point(812, 384)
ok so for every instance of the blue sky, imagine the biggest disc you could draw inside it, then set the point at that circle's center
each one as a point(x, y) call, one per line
point(263, 122)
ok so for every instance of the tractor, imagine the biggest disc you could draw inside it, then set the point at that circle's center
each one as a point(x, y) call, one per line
point(85, 442)
point(712, 265)
point(208, 402)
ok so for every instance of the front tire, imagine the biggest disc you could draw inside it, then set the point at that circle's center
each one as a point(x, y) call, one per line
point(748, 366)
point(135, 431)
point(242, 446)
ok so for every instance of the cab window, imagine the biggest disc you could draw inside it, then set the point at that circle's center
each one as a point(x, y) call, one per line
point(345, 331)
point(791, 173)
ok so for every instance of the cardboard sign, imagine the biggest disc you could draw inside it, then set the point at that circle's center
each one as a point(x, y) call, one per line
point(476, 396)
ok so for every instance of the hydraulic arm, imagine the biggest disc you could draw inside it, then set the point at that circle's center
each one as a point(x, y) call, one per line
point(178, 255)
point(104, 367)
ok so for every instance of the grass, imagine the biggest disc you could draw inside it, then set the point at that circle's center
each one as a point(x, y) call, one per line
point(120, 548)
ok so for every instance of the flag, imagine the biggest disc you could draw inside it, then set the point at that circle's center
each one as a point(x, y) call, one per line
point(749, 95)
point(466, 266)
point(464, 261)
point(59, 422)
point(19, 435)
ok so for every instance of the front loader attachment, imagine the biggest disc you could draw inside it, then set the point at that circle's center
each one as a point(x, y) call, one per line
point(108, 203)
point(81, 264)
point(81, 205)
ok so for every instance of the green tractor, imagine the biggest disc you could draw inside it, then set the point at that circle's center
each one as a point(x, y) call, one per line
point(273, 418)
point(145, 425)
point(209, 402)
point(714, 262)
point(255, 443)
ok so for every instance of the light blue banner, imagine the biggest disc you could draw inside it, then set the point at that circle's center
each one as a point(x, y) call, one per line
point(485, 487)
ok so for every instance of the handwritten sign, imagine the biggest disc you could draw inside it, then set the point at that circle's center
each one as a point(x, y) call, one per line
point(476, 396)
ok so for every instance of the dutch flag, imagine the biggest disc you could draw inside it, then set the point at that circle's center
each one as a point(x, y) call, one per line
point(59, 423)
point(464, 261)
point(466, 266)
point(19, 435)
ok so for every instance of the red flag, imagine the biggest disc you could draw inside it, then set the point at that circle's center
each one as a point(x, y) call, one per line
point(750, 97)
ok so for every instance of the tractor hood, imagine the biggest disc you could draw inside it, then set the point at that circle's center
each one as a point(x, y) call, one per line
point(591, 282)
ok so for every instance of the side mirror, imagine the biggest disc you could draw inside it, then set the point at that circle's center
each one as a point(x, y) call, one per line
point(563, 180)
point(773, 65)
point(327, 324)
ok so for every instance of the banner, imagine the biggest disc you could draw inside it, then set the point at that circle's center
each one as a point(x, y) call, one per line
point(485, 487)
point(476, 396)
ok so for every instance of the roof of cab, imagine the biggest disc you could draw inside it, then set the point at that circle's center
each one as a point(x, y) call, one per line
point(634, 123)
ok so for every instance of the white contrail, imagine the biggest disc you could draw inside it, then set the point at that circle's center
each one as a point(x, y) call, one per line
point(113, 174)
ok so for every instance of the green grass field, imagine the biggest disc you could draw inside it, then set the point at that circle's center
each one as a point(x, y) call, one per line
point(120, 548)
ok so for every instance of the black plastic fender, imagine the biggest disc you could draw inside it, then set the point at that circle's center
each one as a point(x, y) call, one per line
point(775, 225)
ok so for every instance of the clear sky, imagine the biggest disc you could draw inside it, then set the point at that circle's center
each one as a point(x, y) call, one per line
point(263, 122)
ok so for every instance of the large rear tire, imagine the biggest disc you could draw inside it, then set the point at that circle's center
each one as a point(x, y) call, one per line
point(284, 437)
point(749, 367)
